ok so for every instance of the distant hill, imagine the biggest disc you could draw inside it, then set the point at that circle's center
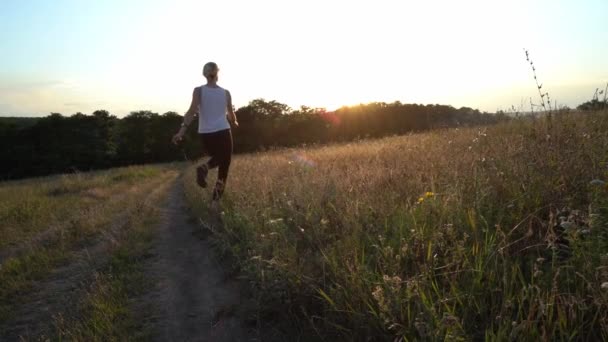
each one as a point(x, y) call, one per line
point(36, 146)
point(18, 122)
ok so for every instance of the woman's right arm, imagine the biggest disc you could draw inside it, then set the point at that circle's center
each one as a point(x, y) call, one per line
point(231, 114)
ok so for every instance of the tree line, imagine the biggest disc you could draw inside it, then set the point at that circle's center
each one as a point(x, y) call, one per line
point(58, 143)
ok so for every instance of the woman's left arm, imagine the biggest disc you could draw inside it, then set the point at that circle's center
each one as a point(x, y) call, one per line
point(188, 116)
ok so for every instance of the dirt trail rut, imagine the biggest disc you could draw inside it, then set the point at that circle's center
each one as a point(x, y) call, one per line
point(195, 300)
point(58, 294)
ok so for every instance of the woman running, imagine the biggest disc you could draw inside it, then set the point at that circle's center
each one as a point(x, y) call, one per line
point(213, 104)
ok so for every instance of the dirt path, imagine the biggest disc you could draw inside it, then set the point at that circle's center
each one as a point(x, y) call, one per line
point(194, 300)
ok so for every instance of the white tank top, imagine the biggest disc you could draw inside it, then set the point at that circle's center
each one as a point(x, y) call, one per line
point(212, 110)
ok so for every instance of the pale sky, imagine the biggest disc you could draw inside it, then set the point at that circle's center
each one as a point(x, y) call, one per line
point(120, 55)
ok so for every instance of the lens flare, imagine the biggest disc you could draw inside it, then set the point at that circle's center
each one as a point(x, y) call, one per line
point(302, 160)
point(330, 117)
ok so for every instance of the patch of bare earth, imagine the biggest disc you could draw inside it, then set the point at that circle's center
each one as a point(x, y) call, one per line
point(194, 299)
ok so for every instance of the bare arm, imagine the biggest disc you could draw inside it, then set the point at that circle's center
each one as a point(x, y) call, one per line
point(196, 101)
point(189, 116)
point(231, 114)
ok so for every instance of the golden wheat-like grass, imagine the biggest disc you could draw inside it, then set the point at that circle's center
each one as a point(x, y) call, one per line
point(488, 232)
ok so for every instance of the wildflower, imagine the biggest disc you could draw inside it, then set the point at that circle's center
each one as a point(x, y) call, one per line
point(388, 251)
point(394, 282)
point(449, 320)
point(420, 200)
point(411, 285)
point(394, 326)
point(567, 225)
point(378, 295)
point(422, 327)
point(429, 194)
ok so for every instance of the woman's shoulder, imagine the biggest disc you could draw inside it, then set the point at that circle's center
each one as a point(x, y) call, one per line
point(222, 89)
point(217, 88)
point(196, 90)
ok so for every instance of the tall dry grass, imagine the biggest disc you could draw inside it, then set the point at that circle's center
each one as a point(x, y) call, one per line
point(488, 233)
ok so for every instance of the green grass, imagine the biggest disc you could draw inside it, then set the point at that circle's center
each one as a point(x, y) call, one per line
point(455, 234)
point(106, 312)
point(38, 238)
point(34, 205)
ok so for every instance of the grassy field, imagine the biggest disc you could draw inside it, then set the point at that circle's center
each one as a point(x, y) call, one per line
point(77, 237)
point(488, 233)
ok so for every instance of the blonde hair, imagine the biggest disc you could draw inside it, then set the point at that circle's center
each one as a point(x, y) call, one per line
point(210, 70)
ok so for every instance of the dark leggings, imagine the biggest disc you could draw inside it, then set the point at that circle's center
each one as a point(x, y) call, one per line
point(219, 146)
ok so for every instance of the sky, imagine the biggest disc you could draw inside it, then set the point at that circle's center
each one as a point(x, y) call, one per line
point(126, 55)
